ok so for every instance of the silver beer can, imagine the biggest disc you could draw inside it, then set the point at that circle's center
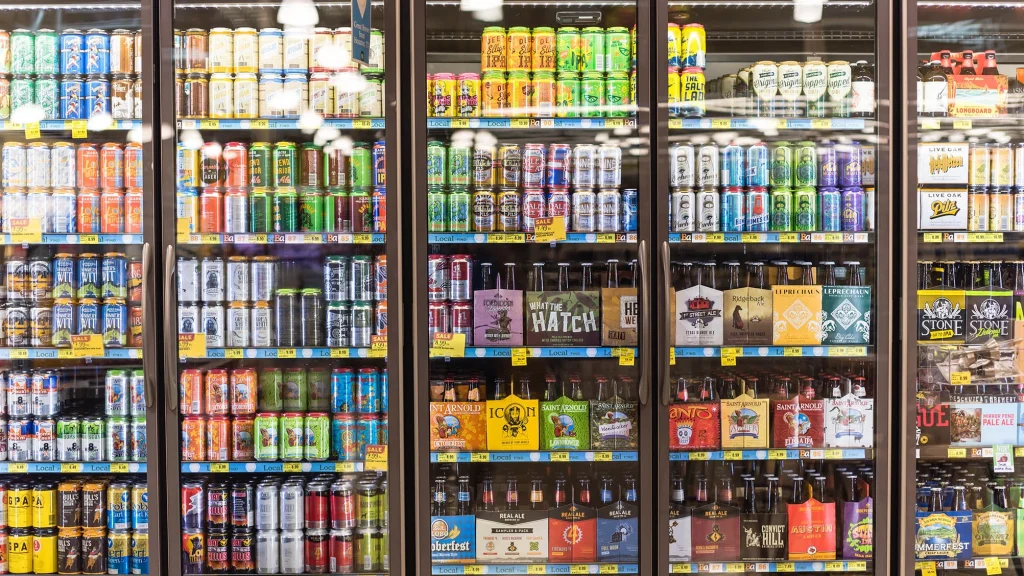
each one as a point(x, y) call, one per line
point(188, 318)
point(262, 325)
point(238, 279)
point(212, 279)
point(707, 167)
point(292, 543)
point(268, 552)
point(188, 279)
point(237, 332)
point(213, 324)
point(680, 166)
point(292, 502)
point(267, 507)
point(708, 211)
point(681, 210)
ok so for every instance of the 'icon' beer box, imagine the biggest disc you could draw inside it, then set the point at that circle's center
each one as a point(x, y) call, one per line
point(498, 318)
point(847, 315)
point(798, 423)
point(458, 426)
point(694, 426)
point(619, 312)
point(452, 539)
point(573, 533)
point(512, 424)
point(943, 535)
point(563, 318)
point(745, 422)
point(512, 536)
point(849, 422)
point(565, 424)
point(618, 533)
point(796, 315)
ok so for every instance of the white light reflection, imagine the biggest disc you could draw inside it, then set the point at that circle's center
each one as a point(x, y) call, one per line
point(491, 15)
point(191, 139)
point(348, 82)
point(298, 14)
point(99, 122)
point(474, 5)
point(140, 134)
point(28, 114)
point(326, 135)
point(807, 11)
point(310, 121)
point(344, 144)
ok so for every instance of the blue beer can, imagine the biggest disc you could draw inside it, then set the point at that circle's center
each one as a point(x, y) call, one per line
point(140, 552)
point(115, 323)
point(379, 203)
point(849, 165)
point(630, 199)
point(64, 280)
point(367, 399)
point(379, 163)
point(853, 209)
point(114, 275)
point(558, 166)
point(343, 383)
point(367, 432)
point(733, 167)
point(757, 165)
point(97, 52)
point(97, 96)
point(384, 391)
point(88, 275)
point(64, 208)
point(72, 52)
point(732, 201)
point(828, 166)
point(63, 322)
point(830, 204)
point(88, 316)
point(758, 214)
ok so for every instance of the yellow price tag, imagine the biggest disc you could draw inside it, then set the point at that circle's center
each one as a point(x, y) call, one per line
point(579, 569)
point(79, 129)
point(345, 467)
point(460, 123)
point(17, 468)
point(729, 356)
point(117, 468)
point(376, 457)
point(627, 357)
point(184, 227)
point(777, 455)
point(87, 346)
point(362, 124)
point(473, 569)
point(89, 239)
point(858, 566)
point(723, 124)
point(519, 356)
point(26, 230)
point(64, 353)
point(833, 454)
point(608, 569)
point(700, 455)
point(956, 378)
point(378, 347)
point(339, 353)
point(362, 238)
point(602, 456)
point(606, 238)
point(536, 569)
point(932, 237)
point(675, 123)
point(209, 124)
point(32, 131)
point(838, 351)
point(781, 125)
point(789, 237)
point(956, 453)
point(259, 124)
point(447, 457)
point(792, 351)
point(930, 124)
point(448, 345)
point(785, 567)
point(234, 353)
point(833, 566)
point(221, 467)
point(734, 567)
point(927, 568)
point(834, 237)
point(550, 229)
point(286, 353)
point(559, 456)
point(292, 467)
point(823, 124)
point(519, 123)
point(192, 345)
point(751, 237)
point(733, 455)
point(716, 237)
point(480, 457)
point(71, 468)
point(498, 238)
point(19, 354)
point(671, 356)
point(992, 566)
point(962, 124)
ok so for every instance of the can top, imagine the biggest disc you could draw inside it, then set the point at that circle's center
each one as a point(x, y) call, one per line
point(693, 25)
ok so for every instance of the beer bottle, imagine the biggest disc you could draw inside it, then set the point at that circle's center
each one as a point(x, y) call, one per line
point(487, 495)
point(575, 388)
point(959, 499)
point(755, 275)
point(990, 68)
point(707, 390)
point(632, 273)
point(934, 89)
point(682, 393)
point(439, 502)
point(819, 490)
point(749, 496)
point(729, 390)
point(1018, 276)
point(584, 490)
point(537, 283)
point(725, 490)
point(967, 66)
point(499, 389)
point(935, 500)
point(604, 389)
point(512, 494)
point(606, 496)
point(750, 386)
point(486, 276)
point(924, 274)
point(586, 276)
point(550, 389)
point(702, 490)
point(510, 276)
point(537, 495)
point(807, 388)
point(862, 91)
point(677, 494)
point(631, 493)
point(773, 497)
point(783, 388)
point(781, 272)
point(945, 62)
point(563, 276)
point(449, 390)
point(710, 275)
point(798, 496)
point(999, 497)
point(624, 386)
point(733, 272)
point(828, 273)
point(806, 273)
point(996, 274)
point(465, 503)
point(854, 274)
point(524, 388)
point(833, 387)
point(612, 274)
point(560, 498)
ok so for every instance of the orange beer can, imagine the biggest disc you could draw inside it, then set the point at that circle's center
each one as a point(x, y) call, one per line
point(135, 326)
point(191, 392)
point(217, 400)
point(88, 211)
point(242, 447)
point(243, 391)
point(493, 98)
point(977, 210)
point(519, 49)
point(133, 165)
point(543, 49)
point(211, 210)
point(193, 439)
point(542, 97)
point(133, 211)
point(218, 447)
point(492, 49)
point(111, 166)
point(111, 211)
point(87, 166)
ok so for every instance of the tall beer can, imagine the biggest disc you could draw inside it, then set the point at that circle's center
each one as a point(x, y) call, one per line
point(1002, 165)
point(681, 210)
point(977, 209)
point(680, 160)
point(708, 211)
point(707, 167)
point(1001, 211)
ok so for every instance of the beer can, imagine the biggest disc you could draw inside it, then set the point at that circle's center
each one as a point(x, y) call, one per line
point(849, 165)
point(805, 211)
point(682, 216)
point(708, 211)
point(559, 164)
point(707, 167)
point(117, 439)
point(979, 165)
point(69, 439)
point(69, 547)
point(830, 205)
point(584, 211)
point(118, 552)
point(94, 504)
point(608, 210)
point(691, 93)
point(681, 173)
point(94, 441)
point(977, 209)
point(853, 210)
point(1000, 209)
point(140, 552)
point(585, 166)
point(268, 550)
point(733, 166)
point(781, 209)
point(733, 217)
point(1018, 211)
point(1002, 165)
point(758, 210)
point(19, 551)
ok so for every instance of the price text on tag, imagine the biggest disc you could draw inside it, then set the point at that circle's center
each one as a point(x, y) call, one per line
point(376, 457)
point(87, 346)
point(448, 345)
point(550, 229)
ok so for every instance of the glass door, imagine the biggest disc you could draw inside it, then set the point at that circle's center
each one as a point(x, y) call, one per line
point(278, 422)
point(531, 271)
point(964, 281)
point(76, 399)
point(774, 303)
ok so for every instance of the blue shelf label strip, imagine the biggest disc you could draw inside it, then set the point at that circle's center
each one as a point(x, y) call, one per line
point(59, 467)
point(576, 352)
point(269, 467)
point(53, 353)
point(550, 123)
point(284, 124)
point(766, 454)
point(573, 456)
point(260, 353)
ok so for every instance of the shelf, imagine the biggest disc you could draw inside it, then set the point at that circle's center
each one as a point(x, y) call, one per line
point(268, 467)
point(571, 352)
point(961, 452)
point(526, 123)
point(774, 351)
point(775, 454)
point(543, 456)
point(975, 563)
point(80, 239)
point(70, 5)
point(64, 353)
point(766, 123)
point(925, 124)
point(258, 353)
point(540, 568)
point(72, 467)
point(527, 238)
point(771, 238)
point(68, 125)
point(289, 238)
point(970, 237)
point(281, 124)
point(747, 567)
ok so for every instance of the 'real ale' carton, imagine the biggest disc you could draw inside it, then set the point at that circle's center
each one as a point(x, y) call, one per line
point(512, 424)
point(453, 539)
point(619, 312)
point(618, 532)
point(563, 318)
point(715, 533)
point(680, 547)
point(511, 536)
point(573, 533)
point(565, 424)
point(744, 422)
point(458, 426)
point(498, 318)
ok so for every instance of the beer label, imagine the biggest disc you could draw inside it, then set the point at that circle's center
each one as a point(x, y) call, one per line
point(858, 529)
point(935, 97)
point(815, 81)
point(460, 426)
point(694, 426)
point(812, 530)
point(573, 534)
point(513, 535)
point(619, 313)
point(566, 425)
point(699, 316)
point(988, 315)
point(679, 533)
point(512, 424)
point(796, 315)
point(748, 319)
point(839, 81)
point(932, 419)
point(798, 423)
point(716, 533)
point(943, 535)
point(791, 81)
point(849, 422)
point(941, 315)
point(618, 533)
point(862, 99)
point(982, 424)
point(846, 314)
point(766, 81)
point(993, 531)
point(975, 96)
point(943, 209)
point(745, 422)
point(563, 318)
point(613, 424)
point(498, 317)
point(764, 536)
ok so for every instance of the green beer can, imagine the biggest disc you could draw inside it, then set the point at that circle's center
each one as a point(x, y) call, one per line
point(617, 49)
point(460, 165)
point(48, 96)
point(458, 210)
point(334, 202)
point(805, 209)
point(592, 95)
point(286, 212)
point(567, 94)
point(294, 392)
point(616, 89)
point(311, 210)
point(270, 383)
point(780, 174)
point(319, 387)
point(567, 49)
point(318, 436)
point(23, 52)
point(23, 91)
point(266, 437)
point(437, 161)
point(781, 209)
point(592, 55)
point(259, 165)
point(260, 211)
point(806, 173)
point(361, 166)
point(285, 164)
point(293, 436)
point(437, 210)
point(47, 54)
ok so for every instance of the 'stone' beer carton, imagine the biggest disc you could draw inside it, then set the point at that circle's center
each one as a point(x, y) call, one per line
point(458, 426)
point(619, 312)
point(512, 424)
point(812, 530)
point(988, 315)
point(744, 422)
point(452, 539)
point(563, 318)
point(849, 422)
point(941, 316)
point(694, 426)
point(498, 318)
point(512, 536)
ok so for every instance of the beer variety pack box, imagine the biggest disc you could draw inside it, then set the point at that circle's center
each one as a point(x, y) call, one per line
point(563, 318)
point(619, 312)
point(744, 422)
point(942, 163)
point(982, 424)
point(618, 533)
point(849, 422)
point(512, 424)
point(699, 316)
point(796, 315)
point(565, 424)
point(798, 423)
point(498, 318)
point(846, 315)
point(512, 536)
point(695, 426)
point(805, 543)
point(748, 316)
point(613, 424)
point(943, 535)
point(458, 426)
point(715, 533)
point(941, 316)
point(573, 533)
point(453, 538)
point(942, 208)
point(858, 529)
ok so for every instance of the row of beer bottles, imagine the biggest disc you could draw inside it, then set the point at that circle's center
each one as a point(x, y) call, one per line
point(611, 274)
point(970, 275)
point(965, 486)
point(766, 486)
point(504, 494)
point(474, 388)
point(775, 383)
point(754, 275)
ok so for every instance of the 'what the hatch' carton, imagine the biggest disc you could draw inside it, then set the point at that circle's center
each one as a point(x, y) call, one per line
point(453, 539)
point(512, 536)
point(458, 426)
point(563, 318)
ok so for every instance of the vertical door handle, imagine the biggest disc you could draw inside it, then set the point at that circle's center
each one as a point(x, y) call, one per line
point(663, 359)
point(147, 261)
point(645, 310)
point(171, 372)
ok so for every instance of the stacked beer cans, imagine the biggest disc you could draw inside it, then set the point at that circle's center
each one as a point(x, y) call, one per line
point(293, 414)
point(328, 524)
point(47, 299)
point(284, 187)
point(506, 189)
point(822, 187)
point(73, 74)
point(76, 526)
point(270, 73)
point(269, 307)
point(995, 193)
point(73, 189)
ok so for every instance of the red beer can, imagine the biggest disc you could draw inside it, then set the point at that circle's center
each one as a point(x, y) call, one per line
point(462, 320)
point(437, 277)
point(342, 557)
point(211, 211)
point(133, 165)
point(135, 326)
point(217, 392)
point(236, 165)
point(343, 505)
point(133, 211)
point(460, 277)
point(243, 391)
point(218, 508)
point(135, 280)
point(87, 166)
point(111, 166)
point(88, 211)
point(217, 447)
point(191, 403)
point(439, 318)
point(317, 545)
point(242, 447)
point(380, 318)
point(317, 504)
point(111, 211)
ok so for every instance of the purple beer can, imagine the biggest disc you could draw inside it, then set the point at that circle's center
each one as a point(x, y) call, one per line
point(380, 211)
point(733, 167)
point(849, 166)
point(828, 166)
point(853, 209)
point(757, 165)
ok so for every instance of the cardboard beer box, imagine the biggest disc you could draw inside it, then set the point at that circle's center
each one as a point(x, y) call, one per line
point(812, 526)
point(699, 316)
point(846, 313)
point(798, 423)
point(573, 530)
point(694, 426)
point(943, 535)
point(858, 529)
point(566, 424)
point(941, 316)
point(942, 209)
point(764, 536)
point(563, 318)
point(613, 424)
point(618, 532)
point(988, 315)
point(715, 533)
point(993, 532)
point(498, 318)
point(453, 539)
point(748, 316)
point(744, 422)
point(932, 419)
point(942, 163)
point(679, 545)
point(619, 312)
point(796, 315)
point(849, 422)
point(982, 424)
point(512, 424)
point(977, 96)
point(512, 536)
point(458, 426)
